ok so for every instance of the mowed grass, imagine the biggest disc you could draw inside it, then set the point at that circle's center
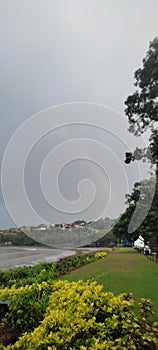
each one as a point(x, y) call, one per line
point(123, 270)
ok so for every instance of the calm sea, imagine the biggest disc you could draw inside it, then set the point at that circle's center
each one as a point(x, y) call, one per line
point(28, 256)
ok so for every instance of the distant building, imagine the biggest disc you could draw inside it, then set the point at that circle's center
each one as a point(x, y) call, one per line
point(15, 230)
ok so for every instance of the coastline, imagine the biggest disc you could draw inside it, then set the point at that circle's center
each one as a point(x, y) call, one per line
point(18, 256)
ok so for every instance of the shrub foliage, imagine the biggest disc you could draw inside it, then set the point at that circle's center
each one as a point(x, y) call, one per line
point(44, 271)
point(80, 315)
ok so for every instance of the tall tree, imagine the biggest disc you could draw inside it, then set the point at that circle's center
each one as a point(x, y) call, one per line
point(142, 105)
point(142, 192)
point(142, 109)
point(142, 112)
point(148, 229)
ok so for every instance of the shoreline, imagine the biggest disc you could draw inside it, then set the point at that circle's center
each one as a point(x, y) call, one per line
point(19, 256)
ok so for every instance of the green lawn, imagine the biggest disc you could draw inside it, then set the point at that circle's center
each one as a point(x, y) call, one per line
point(123, 270)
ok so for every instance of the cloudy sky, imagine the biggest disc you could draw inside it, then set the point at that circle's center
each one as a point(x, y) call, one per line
point(56, 52)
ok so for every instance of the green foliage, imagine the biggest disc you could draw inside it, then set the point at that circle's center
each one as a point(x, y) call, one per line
point(121, 227)
point(142, 191)
point(19, 238)
point(72, 262)
point(27, 305)
point(81, 316)
point(148, 228)
point(123, 270)
point(22, 276)
point(142, 112)
point(142, 107)
point(106, 240)
point(78, 315)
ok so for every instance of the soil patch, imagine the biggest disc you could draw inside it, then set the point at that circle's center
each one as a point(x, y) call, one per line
point(7, 336)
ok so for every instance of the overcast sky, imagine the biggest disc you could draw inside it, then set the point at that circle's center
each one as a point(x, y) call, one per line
point(56, 52)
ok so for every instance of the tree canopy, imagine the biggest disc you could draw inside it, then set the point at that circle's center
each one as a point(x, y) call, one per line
point(142, 106)
point(142, 112)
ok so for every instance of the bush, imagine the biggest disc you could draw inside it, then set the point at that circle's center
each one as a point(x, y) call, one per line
point(72, 262)
point(27, 305)
point(22, 276)
point(99, 255)
point(81, 316)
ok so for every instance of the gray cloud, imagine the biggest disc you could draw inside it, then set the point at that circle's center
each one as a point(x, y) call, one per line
point(54, 52)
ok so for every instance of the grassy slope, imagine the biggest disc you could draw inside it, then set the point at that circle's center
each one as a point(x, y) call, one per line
point(123, 271)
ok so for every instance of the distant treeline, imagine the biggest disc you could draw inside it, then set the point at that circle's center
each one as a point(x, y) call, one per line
point(8, 238)
point(22, 239)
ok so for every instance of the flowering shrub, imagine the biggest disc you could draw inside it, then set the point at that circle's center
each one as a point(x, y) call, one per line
point(99, 255)
point(81, 316)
